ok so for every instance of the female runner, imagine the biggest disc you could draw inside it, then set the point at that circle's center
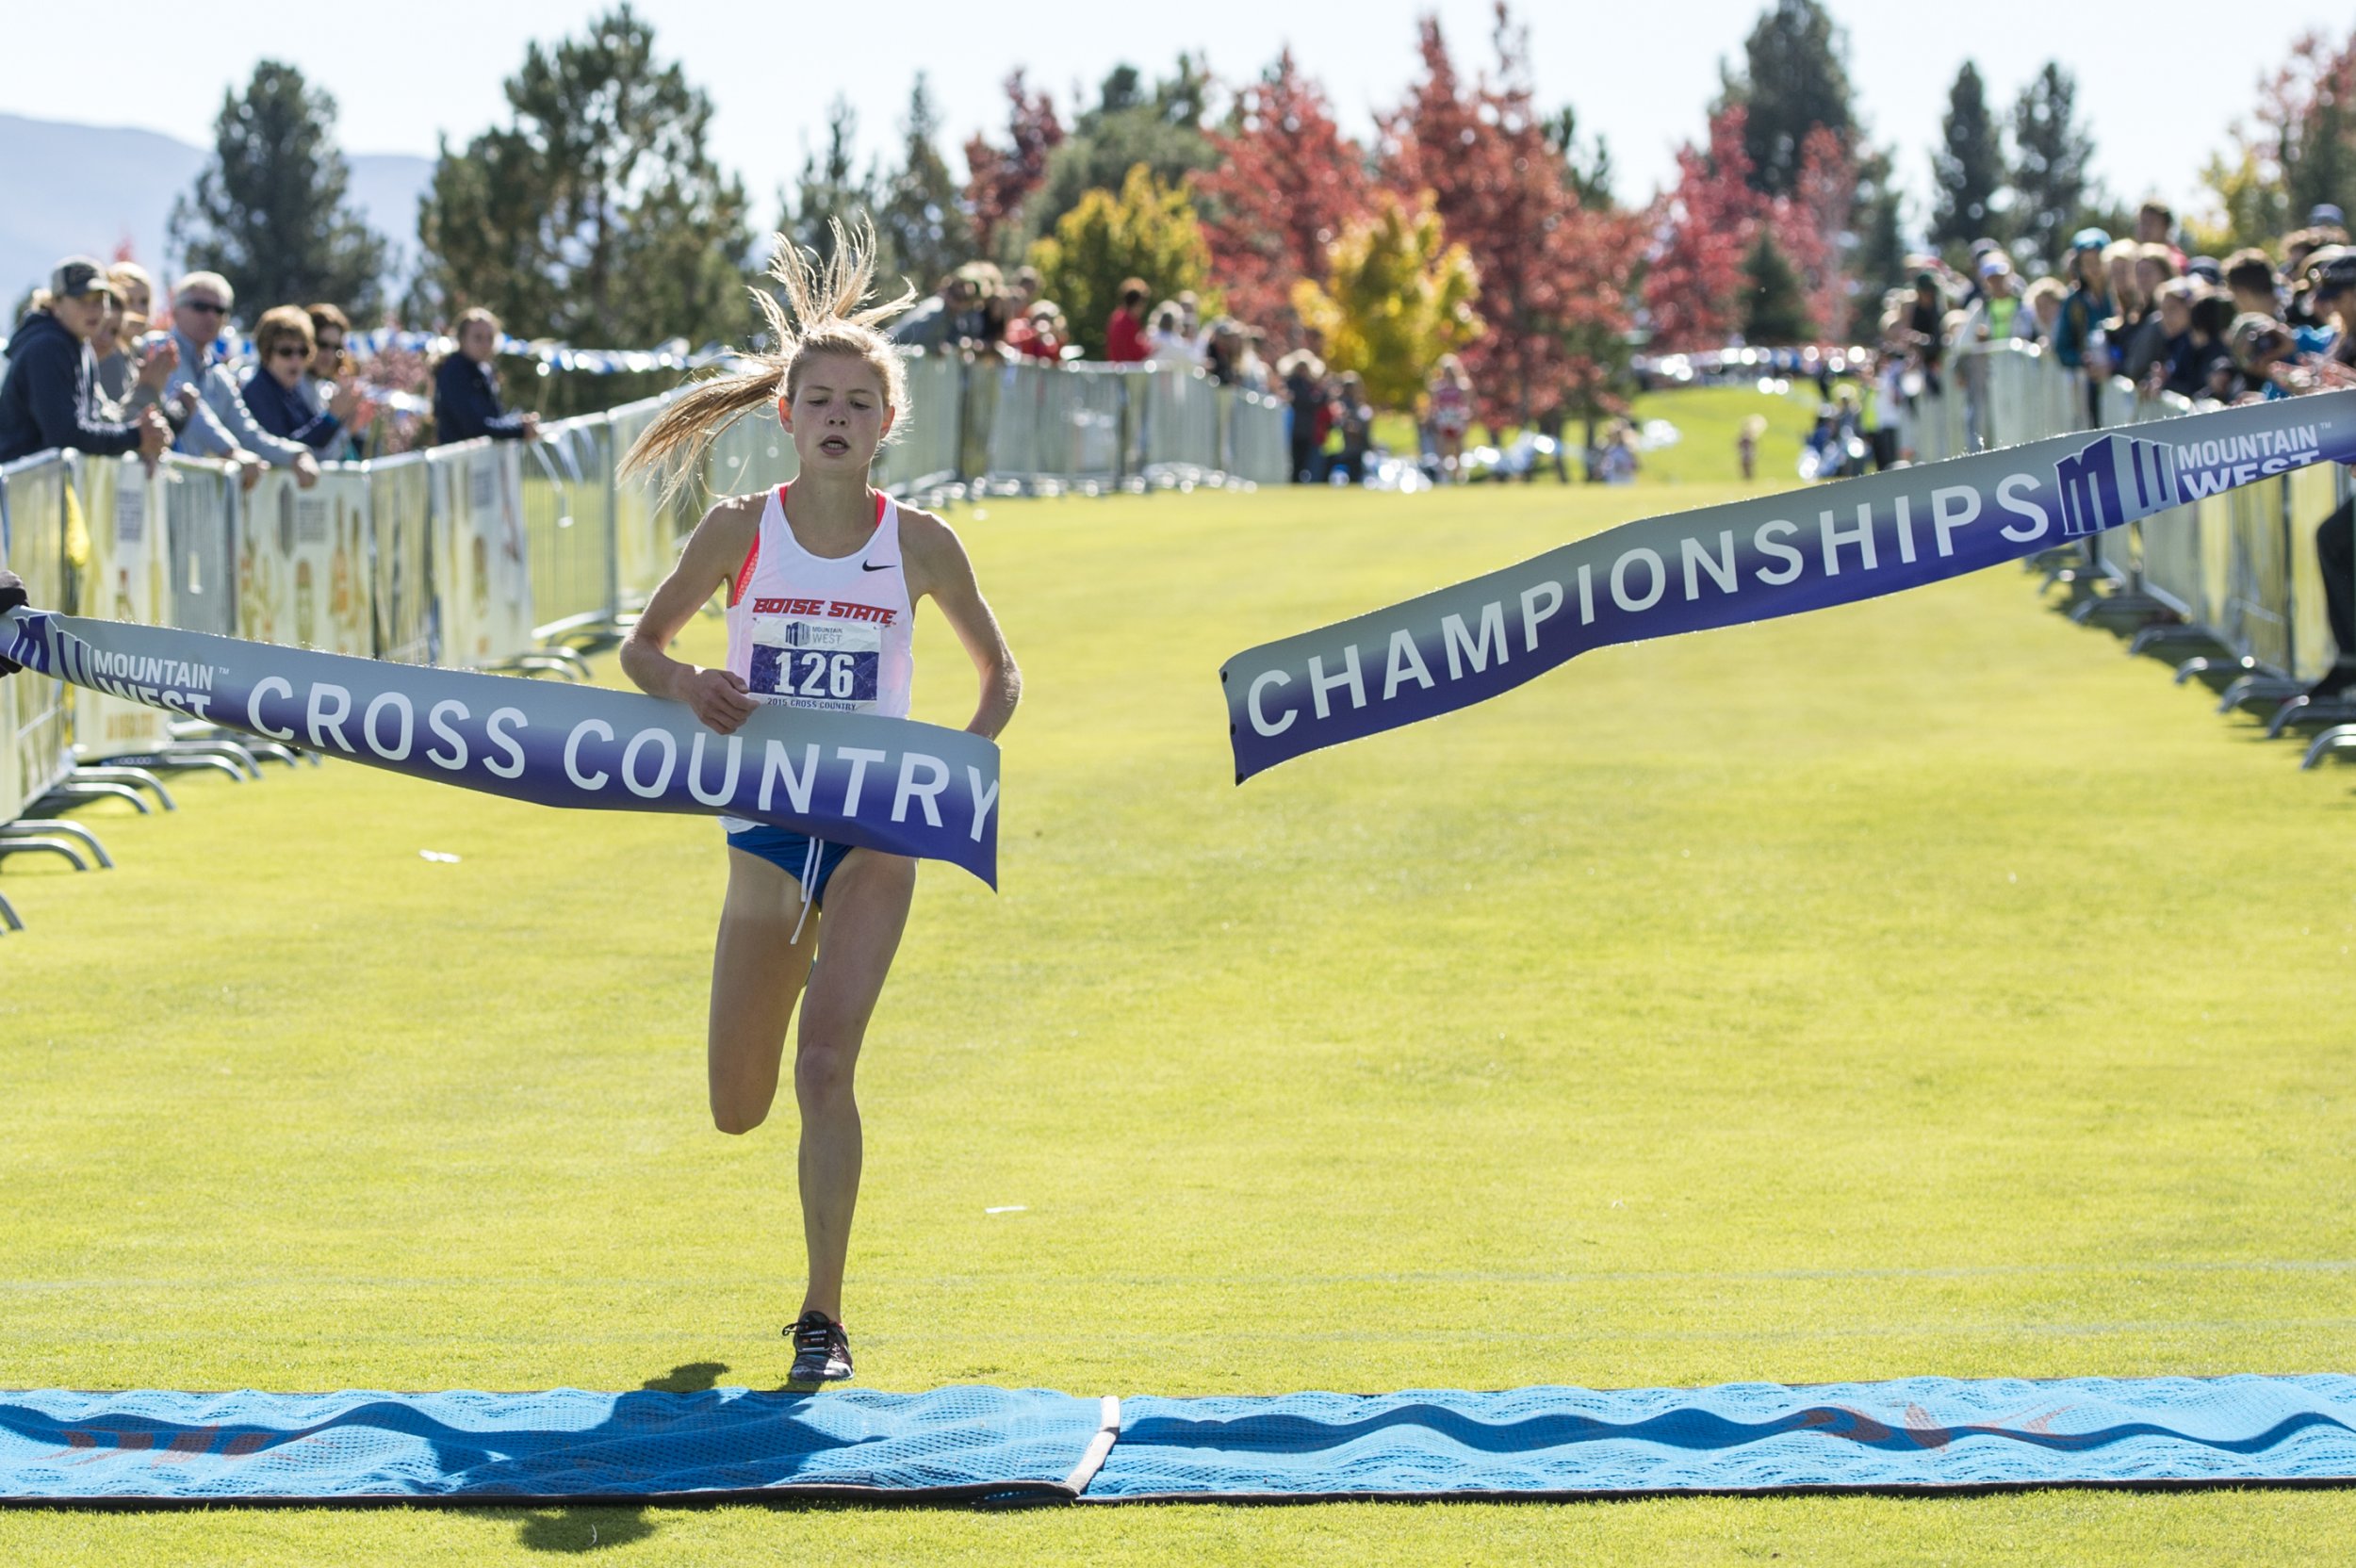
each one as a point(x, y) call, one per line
point(805, 920)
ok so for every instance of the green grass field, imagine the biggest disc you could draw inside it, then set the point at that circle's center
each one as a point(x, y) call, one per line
point(1917, 987)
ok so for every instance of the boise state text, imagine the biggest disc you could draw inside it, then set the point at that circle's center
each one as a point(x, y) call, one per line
point(1750, 561)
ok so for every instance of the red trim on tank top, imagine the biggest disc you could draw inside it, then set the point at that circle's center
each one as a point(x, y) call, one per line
point(752, 554)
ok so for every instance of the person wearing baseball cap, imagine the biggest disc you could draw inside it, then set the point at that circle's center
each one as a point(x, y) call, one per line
point(48, 401)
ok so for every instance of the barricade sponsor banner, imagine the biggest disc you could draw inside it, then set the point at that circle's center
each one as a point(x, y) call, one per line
point(202, 500)
point(1752, 560)
point(646, 528)
point(482, 566)
point(35, 714)
point(127, 579)
point(302, 566)
point(401, 531)
point(566, 494)
point(887, 784)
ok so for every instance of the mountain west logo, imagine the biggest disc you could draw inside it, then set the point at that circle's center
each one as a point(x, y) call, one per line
point(2113, 480)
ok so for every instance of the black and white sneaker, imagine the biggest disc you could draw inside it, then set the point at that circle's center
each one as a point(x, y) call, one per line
point(822, 1351)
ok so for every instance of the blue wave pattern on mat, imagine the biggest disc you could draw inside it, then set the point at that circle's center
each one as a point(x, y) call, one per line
point(562, 1442)
point(1918, 1432)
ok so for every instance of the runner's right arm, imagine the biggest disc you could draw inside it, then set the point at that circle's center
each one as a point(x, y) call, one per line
point(713, 553)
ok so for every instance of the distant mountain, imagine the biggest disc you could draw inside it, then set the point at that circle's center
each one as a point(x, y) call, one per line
point(89, 188)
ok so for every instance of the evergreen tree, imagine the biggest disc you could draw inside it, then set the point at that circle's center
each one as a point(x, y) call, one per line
point(921, 222)
point(1881, 247)
point(1588, 174)
point(832, 190)
point(269, 211)
point(1970, 165)
point(1162, 130)
point(1796, 77)
point(597, 215)
point(2051, 152)
point(1774, 305)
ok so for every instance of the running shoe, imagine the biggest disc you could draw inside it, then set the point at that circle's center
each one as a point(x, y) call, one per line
point(822, 1351)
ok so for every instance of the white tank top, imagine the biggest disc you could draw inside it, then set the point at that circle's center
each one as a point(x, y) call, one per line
point(833, 632)
point(824, 632)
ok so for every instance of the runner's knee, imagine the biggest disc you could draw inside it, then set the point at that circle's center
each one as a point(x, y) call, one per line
point(738, 1113)
point(823, 1073)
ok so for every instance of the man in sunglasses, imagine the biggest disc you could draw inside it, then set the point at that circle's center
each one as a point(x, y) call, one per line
point(202, 398)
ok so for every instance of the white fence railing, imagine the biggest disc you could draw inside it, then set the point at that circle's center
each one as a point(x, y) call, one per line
point(495, 555)
point(2238, 568)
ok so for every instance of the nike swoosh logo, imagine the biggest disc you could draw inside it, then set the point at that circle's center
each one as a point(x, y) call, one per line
point(885, 567)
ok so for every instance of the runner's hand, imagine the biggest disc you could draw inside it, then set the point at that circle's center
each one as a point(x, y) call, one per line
point(720, 698)
point(11, 598)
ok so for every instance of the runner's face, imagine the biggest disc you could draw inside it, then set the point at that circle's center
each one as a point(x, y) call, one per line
point(838, 415)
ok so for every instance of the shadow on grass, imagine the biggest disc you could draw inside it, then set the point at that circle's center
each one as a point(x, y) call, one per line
point(2249, 722)
point(590, 1529)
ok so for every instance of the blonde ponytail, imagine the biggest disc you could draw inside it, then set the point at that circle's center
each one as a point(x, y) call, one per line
point(826, 310)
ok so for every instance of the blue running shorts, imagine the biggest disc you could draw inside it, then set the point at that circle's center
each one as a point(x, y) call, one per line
point(789, 852)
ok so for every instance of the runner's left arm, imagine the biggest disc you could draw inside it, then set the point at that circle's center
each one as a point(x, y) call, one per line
point(943, 570)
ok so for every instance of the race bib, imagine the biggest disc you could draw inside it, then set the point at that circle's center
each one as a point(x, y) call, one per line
point(807, 664)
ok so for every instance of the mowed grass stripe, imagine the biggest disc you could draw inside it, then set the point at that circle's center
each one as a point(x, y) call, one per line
point(1917, 987)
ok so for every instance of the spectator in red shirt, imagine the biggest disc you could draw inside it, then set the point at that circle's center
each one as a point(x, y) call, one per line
point(1124, 334)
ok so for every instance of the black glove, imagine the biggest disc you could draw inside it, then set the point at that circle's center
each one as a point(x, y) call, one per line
point(11, 598)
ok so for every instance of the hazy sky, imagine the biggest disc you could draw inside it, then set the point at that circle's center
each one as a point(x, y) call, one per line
point(2160, 82)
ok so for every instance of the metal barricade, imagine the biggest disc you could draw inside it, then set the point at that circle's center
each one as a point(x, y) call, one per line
point(2258, 609)
point(481, 560)
point(752, 455)
point(1095, 399)
point(1181, 427)
point(648, 530)
point(566, 496)
point(1025, 445)
point(923, 454)
point(2309, 496)
point(1258, 449)
point(201, 505)
point(36, 712)
point(2239, 568)
point(126, 576)
point(400, 558)
point(303, 578)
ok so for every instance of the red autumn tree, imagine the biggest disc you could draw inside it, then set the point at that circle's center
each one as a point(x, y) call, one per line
point(1554, 272)
point(1703, 226)
point(1000, 179)
point(1285, 182)
point(1808, 225)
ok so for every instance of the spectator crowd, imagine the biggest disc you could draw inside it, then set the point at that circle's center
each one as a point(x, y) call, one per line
point(2207, 329)
point(94, 366)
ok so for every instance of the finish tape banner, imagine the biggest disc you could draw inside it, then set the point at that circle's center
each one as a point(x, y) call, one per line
point(849, 779)
point(1751, 561)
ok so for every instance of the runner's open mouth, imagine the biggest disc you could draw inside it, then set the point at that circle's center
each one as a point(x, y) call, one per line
point(834, 444)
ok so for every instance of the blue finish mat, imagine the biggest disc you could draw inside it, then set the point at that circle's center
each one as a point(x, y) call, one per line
point(988, 1444)
point(952, 1444)
point(1917, 1433)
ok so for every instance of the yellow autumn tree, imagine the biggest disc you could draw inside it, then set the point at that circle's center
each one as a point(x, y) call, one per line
point(1397, 296)
point(1146, 230)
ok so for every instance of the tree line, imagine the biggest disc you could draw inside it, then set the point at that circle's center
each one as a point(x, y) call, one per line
point(1479, 219)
